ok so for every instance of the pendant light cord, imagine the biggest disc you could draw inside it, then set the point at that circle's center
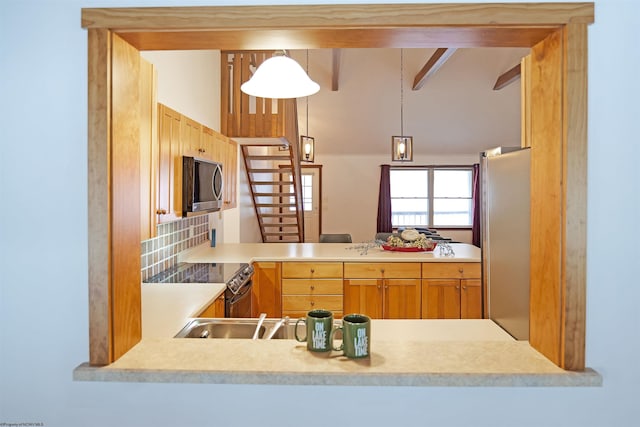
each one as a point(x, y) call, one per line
point(307, 100)
point(401, 92)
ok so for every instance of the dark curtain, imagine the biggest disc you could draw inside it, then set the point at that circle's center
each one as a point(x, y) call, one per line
point(475, 229)
point(384, 201)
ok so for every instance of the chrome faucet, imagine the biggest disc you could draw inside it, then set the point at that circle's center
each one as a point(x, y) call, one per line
point(260, 321)
point(274, 329)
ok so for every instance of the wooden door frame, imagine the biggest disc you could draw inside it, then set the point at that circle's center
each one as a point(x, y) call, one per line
point(342, 26)
point(319, 167)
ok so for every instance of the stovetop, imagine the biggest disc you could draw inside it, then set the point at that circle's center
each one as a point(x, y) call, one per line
point(198, 273)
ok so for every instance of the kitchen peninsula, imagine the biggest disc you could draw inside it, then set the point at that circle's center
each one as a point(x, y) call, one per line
point(421, 352)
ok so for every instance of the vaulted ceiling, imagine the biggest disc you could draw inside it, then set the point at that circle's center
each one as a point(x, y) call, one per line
point(455, 111)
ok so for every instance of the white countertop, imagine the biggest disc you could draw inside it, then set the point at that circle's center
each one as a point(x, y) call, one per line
point(403, 352)
point(347, 252)
point(167, 307)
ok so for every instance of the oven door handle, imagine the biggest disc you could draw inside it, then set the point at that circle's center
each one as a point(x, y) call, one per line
point(241, 293)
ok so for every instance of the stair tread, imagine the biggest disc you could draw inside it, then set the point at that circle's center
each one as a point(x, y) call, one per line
point(267, 157)
point(277, 170)
point(272, 183)
point(279, 215)
point(281, 234)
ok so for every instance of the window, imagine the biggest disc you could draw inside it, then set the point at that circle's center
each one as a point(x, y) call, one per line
point(307, 191)
point(431, 197)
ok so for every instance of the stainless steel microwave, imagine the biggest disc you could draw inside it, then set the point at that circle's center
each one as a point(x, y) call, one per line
point(201, 185)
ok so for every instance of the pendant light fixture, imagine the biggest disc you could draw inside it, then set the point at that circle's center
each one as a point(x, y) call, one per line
point(402, 145)
point(280, 77)
point(307, 143)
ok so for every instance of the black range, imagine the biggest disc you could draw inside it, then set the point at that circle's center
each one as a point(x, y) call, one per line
point(237, 277)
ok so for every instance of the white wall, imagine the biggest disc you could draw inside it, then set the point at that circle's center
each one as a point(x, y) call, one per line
point(189, 82)
point(350, 186)
point(43, 260)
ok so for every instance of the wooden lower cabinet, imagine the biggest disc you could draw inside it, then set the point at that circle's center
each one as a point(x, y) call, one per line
point(451, 291)
point(311, 285)
point(266, 292)
point(215, 309)
point(383, 298)
point(383, 290)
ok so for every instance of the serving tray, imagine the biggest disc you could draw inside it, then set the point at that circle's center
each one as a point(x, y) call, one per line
point(407, 249)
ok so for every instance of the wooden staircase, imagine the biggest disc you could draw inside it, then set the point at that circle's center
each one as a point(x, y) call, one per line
point(270, 173)
point(267, 131)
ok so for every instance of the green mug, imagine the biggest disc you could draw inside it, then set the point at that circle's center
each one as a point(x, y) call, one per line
point(319, 324)
point(356, 336)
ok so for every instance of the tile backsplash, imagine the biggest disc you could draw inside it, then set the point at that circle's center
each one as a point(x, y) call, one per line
point(161, 252)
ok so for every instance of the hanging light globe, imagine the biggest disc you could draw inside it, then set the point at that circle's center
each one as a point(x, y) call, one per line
point(280, 77)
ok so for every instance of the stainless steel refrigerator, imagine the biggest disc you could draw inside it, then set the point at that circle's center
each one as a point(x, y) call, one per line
point(505, 224)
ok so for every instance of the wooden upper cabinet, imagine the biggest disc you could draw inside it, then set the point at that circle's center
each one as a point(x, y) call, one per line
point(230, 172)
point(169, 175)
point(191, 135)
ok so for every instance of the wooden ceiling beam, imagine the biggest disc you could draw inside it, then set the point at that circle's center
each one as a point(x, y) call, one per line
point(434, 63)
point(335, 69)
point(507, 78)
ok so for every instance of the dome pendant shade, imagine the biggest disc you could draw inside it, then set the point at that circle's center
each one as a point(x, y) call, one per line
point(280, 77)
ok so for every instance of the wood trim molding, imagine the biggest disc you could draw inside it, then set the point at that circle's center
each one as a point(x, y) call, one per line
point(437, 60)
point(347, 26)
point(342, 16)
point(575, 198)
point(99, 200)
point(508, 77)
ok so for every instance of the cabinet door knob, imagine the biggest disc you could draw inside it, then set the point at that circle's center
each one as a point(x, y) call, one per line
point(313, 271)
point(312, 303)
point(312, 287)
point(457, 286)
point(464, 288)
point(382, 270)
point(161, 212)
point(461, 270)
point(378, 286)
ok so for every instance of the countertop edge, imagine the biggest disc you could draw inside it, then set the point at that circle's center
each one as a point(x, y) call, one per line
point(320, 252)
point(587, 378)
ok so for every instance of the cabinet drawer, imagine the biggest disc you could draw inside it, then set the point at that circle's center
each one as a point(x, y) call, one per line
point(382, 270)
point(311, 286)
point(312, 270)
point(311, 302)
point(451, 270)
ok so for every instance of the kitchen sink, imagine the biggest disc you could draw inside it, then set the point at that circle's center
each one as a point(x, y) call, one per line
point(235, 328)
